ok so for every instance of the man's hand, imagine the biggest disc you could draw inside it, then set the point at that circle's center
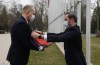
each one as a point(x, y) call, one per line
point(35, 34)
point(39, 32)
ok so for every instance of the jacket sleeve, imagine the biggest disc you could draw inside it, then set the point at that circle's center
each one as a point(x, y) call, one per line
point(24, 35)
point(61, 37)
point(55, 33)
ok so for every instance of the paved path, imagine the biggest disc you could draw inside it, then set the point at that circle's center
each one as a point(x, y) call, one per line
point(4, 47)
point(61, 47)
point(5, 42)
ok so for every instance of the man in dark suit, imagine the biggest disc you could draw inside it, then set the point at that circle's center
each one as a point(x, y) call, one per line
point(21, 38)
point(72, 41)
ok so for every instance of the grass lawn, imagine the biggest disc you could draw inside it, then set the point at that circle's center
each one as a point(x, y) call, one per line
point(53, 56)
point(95, 50)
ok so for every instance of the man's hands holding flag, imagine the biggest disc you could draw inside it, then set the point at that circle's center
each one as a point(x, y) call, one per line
point(41, 37)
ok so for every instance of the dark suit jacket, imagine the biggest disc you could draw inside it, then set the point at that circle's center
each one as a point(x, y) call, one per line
point(20, 42)
point(72, 45)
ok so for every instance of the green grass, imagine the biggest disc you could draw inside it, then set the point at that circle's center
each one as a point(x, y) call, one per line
point(95, 50)
point(51, 56)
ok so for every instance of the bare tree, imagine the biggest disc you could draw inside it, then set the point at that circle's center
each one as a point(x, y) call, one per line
point(14, 13)
point(96, 17)
point(41, 19)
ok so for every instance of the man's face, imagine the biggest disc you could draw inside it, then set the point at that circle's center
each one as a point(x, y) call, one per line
point(67, 19)
point(29, 14)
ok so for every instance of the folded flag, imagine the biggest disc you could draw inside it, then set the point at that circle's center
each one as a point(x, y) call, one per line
point(42, 42)
point(39, 44)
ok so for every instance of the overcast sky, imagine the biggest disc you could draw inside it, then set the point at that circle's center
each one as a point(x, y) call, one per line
point(24, 2)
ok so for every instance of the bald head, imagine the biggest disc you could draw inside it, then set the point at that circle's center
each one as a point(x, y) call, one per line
point(28, 8)
point(28, 12)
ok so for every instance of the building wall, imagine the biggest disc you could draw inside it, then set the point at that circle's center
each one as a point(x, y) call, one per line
point(56, 8)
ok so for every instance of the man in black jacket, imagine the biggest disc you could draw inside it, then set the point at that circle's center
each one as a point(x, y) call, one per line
point(72, 41)
point(21, 38)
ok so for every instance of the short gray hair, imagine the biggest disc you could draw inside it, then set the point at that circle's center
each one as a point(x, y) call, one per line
point(28, 7)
